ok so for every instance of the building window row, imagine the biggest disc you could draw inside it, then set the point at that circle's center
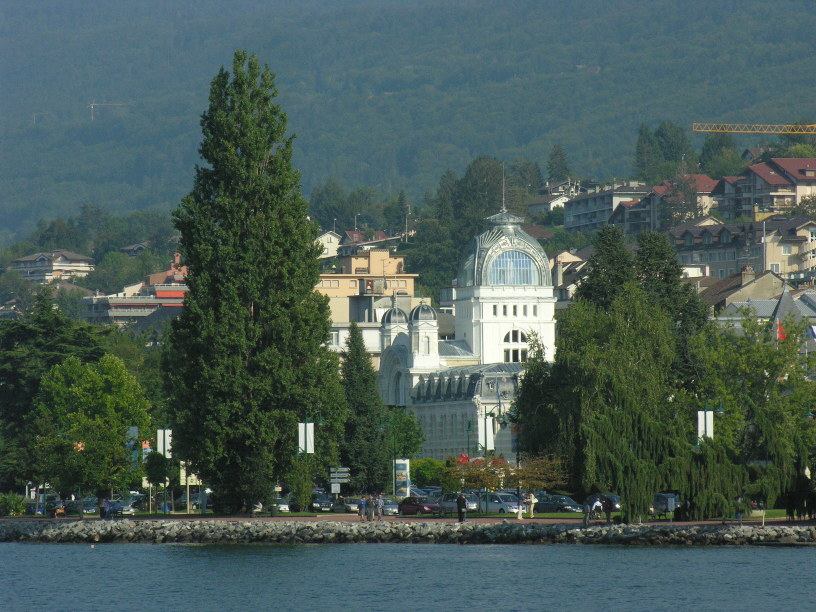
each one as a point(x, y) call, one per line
point(514, 309)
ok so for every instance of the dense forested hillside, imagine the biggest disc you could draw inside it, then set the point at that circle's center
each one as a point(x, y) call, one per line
point(383, 93)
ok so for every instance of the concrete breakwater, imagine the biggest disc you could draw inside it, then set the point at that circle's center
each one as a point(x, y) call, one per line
point(296, 532)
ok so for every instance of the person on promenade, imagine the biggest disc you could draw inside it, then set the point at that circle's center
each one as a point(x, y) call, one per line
point(531, 500)
point(370, 508)
point(587, 511)
point(361, 508)
point(380, 506)
point(461, 507)
point(608, 506)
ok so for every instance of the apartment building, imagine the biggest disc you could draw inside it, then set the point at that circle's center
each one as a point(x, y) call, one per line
point(592, 210)
point(366, 283)
point(51, 265)
point(766, 188)
point(655, 210)
point(784, 246)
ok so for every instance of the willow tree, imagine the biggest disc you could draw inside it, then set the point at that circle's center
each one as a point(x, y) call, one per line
point(759, 377)
point(246, 360)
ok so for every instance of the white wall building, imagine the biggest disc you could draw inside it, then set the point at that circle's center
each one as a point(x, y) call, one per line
point(461, 389)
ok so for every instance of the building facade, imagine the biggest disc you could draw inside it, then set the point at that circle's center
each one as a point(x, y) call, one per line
point(592, 210)
point(461, 389)
point(52, 265)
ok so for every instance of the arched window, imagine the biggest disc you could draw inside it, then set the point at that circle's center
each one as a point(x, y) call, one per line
point(426, 345)
point(513, 268)
point(515, 336)
point(515, 349)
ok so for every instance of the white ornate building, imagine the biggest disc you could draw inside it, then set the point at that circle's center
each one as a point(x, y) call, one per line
point(461, 390)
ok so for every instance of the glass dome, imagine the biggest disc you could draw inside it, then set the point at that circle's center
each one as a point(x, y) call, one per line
point(513, 268)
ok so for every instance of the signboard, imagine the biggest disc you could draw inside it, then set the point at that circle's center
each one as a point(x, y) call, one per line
point(187, 479)
point(402, 477)
point(335, 488)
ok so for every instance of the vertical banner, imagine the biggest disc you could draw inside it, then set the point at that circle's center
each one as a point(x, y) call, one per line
point(700, 424)
point(489, 442)
point(306, 438)
point(709, 422)
point(164, 442)
point(402, 477)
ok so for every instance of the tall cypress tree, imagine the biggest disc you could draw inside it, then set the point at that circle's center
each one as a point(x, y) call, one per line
point(247, 360)
point(557, 166)
point(366, 451)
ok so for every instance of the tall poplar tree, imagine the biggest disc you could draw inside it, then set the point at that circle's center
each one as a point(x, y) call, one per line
point(366, 450)
point(246, 360)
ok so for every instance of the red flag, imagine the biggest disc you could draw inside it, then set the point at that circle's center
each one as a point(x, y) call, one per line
point(463, 458)
point(780, 331)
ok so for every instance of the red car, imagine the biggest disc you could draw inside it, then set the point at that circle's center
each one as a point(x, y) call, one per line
point(417, 505)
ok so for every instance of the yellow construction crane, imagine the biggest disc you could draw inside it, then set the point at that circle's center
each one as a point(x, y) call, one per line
point(755, 128)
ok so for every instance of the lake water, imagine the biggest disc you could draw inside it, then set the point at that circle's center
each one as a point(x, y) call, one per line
point(402, 577)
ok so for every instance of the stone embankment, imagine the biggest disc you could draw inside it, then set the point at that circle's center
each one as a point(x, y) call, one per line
point(281, 532)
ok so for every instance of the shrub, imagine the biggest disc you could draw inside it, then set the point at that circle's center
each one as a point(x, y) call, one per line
point(12, 504)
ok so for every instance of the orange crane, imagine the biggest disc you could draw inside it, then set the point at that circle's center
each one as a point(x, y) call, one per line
point(755, 128)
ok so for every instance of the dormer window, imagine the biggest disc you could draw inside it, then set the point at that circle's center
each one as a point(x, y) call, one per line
point(689, 240)
point(706, 238)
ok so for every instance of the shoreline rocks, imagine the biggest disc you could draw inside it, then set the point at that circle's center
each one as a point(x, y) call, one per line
point(199, 531)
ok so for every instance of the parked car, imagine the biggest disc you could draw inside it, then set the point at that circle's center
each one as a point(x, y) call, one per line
point(417, 505)
point(346, 504)
point(323, 504)
point(556, 503)
point(391, 506)
point(503, 503)
point(664, 504)
point(447, 503)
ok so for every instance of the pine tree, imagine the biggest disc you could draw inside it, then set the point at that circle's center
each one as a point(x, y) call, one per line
point(557, 165)
point(609, 268)
point(366, 449)
point(246, 360)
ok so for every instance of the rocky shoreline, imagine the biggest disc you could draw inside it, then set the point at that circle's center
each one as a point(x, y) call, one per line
point(292, 532)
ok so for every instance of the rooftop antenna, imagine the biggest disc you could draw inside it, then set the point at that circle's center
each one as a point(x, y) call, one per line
point(504, 204)
point(93, 104)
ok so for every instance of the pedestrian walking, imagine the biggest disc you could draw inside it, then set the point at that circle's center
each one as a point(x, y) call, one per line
point(607, 508)
point(380, 507)
point(361, 508)
point(532, 500)
point(461, 507)
point(587, 511)
point(370, 508)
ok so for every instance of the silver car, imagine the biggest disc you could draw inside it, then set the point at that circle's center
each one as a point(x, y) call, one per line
point(503, 503)
point(447, 503)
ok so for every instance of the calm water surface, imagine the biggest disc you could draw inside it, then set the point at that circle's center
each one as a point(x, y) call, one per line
point(402, 577)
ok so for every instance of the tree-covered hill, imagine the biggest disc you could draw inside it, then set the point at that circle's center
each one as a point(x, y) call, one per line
point(384, 93)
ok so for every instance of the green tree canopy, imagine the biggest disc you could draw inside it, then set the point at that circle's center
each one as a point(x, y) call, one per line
point(84, 411)
point(29, 347)
point(609, 268)
point(247, 360)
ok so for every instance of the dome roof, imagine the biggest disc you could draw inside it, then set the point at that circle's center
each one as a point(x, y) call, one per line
point(504, 255)
point(423, 312)
point(394, 315)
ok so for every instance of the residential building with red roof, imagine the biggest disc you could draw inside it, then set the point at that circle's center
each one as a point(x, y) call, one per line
point(664, 202)
point(766, 188)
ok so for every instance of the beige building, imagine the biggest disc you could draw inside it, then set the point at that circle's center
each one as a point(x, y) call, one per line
point(366, 284)
point(784, 246)
point(52, 265)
